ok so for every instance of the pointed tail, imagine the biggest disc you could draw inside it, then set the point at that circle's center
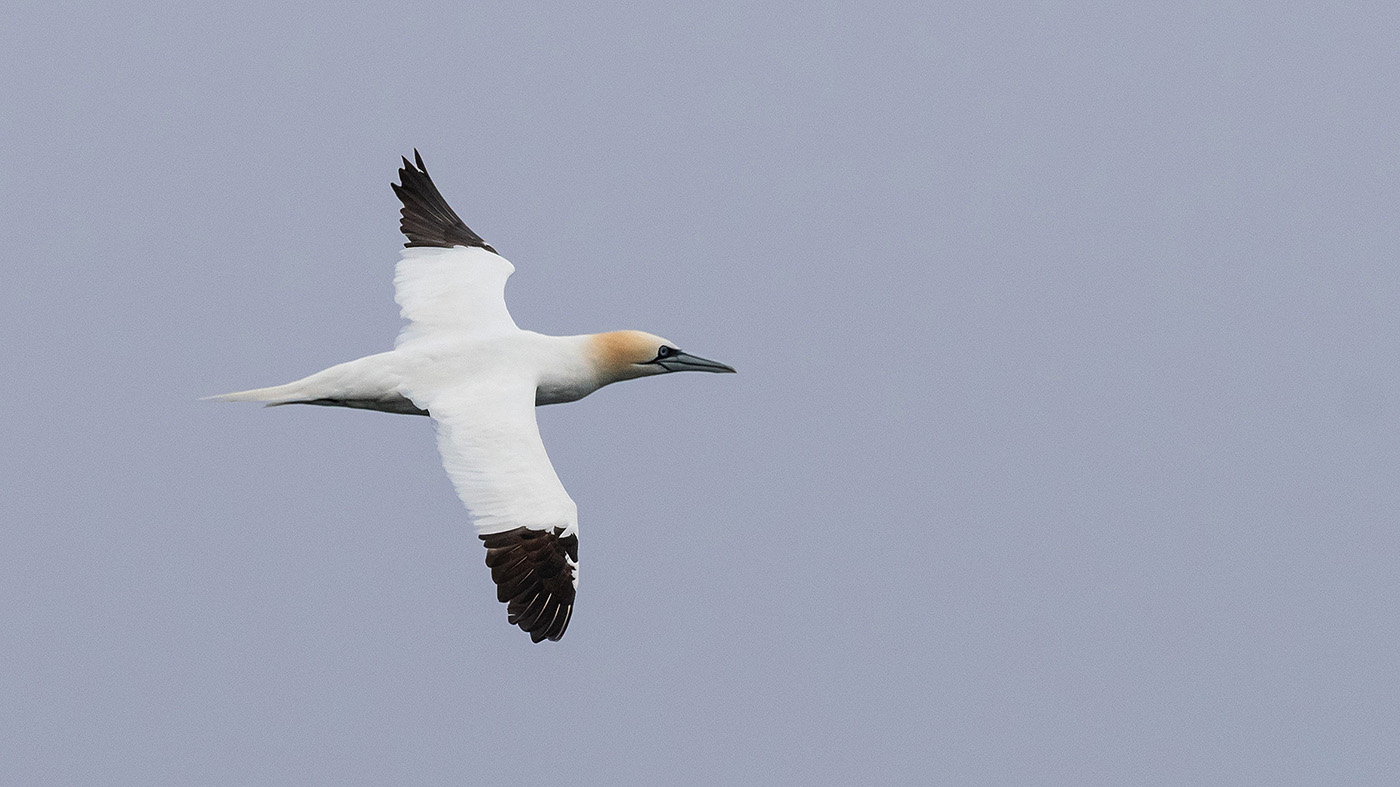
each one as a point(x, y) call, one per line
point(370, 382)
point(274, 395)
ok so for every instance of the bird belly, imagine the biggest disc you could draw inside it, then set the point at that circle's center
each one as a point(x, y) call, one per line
point(550, 392)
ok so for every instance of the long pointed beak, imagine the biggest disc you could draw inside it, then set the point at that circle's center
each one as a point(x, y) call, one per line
point(685, 362)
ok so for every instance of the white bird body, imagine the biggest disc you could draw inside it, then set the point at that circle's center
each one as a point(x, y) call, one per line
point(562, 368)
point(463, 361)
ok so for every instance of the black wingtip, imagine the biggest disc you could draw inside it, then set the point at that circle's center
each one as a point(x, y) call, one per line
point(534, 575)
point(426, 219)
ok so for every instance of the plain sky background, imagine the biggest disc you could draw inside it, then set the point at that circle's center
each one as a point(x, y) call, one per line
point(1064, 448)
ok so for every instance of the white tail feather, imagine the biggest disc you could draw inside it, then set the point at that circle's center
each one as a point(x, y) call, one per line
point(277, 394)
point(370, 378)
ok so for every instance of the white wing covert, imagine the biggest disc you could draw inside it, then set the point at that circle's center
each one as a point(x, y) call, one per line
point(459, 290)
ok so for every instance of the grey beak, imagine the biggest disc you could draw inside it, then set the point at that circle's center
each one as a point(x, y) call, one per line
point(685, 362)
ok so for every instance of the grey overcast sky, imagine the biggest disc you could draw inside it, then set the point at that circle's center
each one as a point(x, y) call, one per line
point(1064, 448)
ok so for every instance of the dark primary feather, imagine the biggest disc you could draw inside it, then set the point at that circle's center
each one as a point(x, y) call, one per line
point(533, 578)
point(427, 219)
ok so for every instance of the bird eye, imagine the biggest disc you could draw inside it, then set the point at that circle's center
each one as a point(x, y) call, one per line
point(664, 351)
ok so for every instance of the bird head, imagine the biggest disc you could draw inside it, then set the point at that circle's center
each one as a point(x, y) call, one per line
point(627, 355)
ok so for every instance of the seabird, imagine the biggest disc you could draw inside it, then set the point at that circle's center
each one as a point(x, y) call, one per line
point(462, 361)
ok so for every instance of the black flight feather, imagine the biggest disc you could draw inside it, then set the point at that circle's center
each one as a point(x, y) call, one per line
point(427, 219)
point(533, 577)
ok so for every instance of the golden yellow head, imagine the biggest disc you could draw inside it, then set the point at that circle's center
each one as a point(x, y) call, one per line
point(626, 355)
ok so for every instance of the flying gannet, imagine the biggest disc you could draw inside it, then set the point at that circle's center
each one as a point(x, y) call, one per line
point(462, 361)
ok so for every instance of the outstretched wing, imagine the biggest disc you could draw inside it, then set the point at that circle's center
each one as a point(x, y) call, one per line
point(448, 279)
point(492, 451)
